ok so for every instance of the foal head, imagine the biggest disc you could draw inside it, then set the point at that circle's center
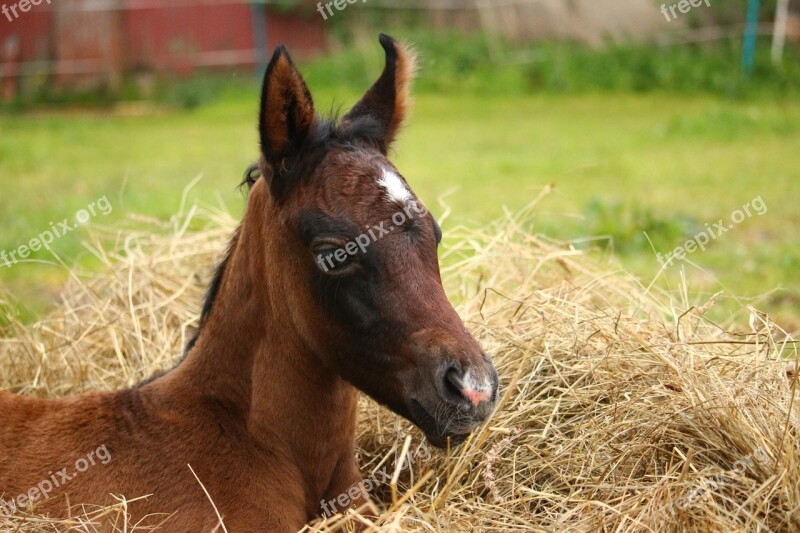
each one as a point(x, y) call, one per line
point(355, 253)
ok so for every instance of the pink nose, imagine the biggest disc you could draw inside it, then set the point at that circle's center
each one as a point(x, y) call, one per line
point(475, 397)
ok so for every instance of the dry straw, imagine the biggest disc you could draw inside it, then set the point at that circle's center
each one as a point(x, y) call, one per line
point(623, 409)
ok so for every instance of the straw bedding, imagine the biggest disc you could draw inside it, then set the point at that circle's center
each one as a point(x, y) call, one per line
point(624, 408)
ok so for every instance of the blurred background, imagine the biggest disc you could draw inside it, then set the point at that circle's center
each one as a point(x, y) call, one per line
point(652, 119)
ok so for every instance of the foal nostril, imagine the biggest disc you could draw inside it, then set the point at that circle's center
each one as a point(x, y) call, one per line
point(453, 385)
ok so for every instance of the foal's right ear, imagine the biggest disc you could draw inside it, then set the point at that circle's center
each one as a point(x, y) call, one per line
point(287, 111)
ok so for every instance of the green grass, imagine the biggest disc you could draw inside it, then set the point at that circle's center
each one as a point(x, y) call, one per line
point(453, 63)
point(621, 163)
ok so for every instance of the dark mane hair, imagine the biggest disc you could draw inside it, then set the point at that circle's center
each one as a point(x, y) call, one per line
point(208, 303)
point(213, 290)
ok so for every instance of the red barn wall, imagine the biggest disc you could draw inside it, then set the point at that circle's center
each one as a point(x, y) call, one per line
point(79, 42)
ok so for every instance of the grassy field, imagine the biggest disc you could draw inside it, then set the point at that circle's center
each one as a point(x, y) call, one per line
point(622, 164)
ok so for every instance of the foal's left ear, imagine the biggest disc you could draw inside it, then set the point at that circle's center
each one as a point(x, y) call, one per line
point(287, 111)
point(389, 99)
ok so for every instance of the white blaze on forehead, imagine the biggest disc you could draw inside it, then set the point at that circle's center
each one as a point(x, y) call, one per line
point(396, 190)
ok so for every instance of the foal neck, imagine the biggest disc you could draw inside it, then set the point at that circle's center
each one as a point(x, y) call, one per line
point(251, 354)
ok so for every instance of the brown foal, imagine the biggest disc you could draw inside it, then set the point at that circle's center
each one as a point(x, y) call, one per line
point(331, 285)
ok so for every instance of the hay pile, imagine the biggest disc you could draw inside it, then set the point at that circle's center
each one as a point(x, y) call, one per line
point(622, 409)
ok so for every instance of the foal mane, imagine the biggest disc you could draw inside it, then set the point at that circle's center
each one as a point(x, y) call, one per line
point(208, 303)
point(213, 290)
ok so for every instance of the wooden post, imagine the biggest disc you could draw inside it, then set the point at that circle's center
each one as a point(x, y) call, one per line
point(10, 65)
point(117, 45)
point(779, 31)
point(487, 19)
point(258, 13)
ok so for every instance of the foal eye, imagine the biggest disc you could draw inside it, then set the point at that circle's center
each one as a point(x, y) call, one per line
point(333, 259)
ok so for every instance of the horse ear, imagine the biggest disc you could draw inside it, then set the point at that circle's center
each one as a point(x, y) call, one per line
point(388, 100)
point(287, 111)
